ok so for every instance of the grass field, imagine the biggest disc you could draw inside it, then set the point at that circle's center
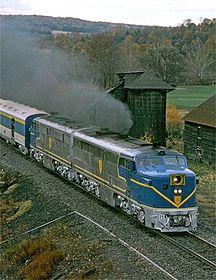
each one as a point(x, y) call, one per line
point(189, 97)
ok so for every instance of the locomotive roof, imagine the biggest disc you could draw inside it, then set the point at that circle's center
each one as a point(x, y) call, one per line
point(18, 110)
point(62, 123)
point(151, 151)
point(120, 144)
point(126, 146)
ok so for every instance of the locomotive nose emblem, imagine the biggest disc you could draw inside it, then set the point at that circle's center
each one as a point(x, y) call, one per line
point(177, 199)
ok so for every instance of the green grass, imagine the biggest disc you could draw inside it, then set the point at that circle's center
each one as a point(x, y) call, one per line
point(205, 189)
point(189, 97)
point(207, 177)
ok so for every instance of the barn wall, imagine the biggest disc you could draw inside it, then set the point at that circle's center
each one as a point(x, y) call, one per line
point(149, 114)
point(200, 142)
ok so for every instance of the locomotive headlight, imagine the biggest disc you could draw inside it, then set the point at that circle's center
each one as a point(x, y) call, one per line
point(177, 180)
point(179, 191)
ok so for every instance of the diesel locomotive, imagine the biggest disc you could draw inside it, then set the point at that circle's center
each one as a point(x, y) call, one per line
point(149, 182)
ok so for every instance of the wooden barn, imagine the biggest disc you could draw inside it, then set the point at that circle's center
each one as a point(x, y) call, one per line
point(200, 132)
point(145, 95)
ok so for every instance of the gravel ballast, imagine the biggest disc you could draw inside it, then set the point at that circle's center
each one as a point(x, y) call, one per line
point(53, 197)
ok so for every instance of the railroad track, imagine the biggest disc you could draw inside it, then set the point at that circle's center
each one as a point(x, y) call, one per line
point(210, 228)
point(211, 246)
point(204, 250)
point(123, 242)
point(146, 256)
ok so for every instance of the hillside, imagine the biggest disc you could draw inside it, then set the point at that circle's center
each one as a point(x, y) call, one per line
point(181, 55)
point(45, 24)
point(186, 32)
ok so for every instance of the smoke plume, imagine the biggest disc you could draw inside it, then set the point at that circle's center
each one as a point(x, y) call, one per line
point(48, 80)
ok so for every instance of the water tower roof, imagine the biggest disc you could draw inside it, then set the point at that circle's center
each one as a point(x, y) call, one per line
point(145, 80)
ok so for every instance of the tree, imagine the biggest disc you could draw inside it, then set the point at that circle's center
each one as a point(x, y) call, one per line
point(165, 61)
point(174, 125)
point(129, 54)
point(103, 51)
point(199, 62)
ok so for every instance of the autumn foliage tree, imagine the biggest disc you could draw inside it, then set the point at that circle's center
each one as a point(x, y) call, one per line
point(181, 55)
point(174, 126)
point(199, 62)
point(165, 61)
point(103, 51)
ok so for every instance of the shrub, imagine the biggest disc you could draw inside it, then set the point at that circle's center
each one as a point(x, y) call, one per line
point(34, 259)
point(147, 137)
point(174, 125)
point(42, 265)
point(7, 209)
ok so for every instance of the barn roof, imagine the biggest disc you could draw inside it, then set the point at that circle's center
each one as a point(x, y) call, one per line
point(144, 80)
point(204, 114)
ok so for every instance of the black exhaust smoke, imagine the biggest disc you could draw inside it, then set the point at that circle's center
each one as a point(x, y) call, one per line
point(48, 80)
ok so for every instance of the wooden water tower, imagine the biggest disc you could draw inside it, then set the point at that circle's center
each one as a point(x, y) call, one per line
point(145, 95)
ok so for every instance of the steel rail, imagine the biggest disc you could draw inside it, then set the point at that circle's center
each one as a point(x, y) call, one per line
point(124, 243)
point(197, 255)
point(192, 252)
point(202, 239)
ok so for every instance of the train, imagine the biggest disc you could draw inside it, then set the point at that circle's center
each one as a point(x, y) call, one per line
point(147, 181)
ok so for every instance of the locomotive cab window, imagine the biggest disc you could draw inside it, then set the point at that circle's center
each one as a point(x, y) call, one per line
point(175, 160)
point(128, 164)
point(146, 163)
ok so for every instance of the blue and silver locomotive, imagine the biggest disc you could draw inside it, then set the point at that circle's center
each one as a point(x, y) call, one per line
point(146, 181)
point(161, 188)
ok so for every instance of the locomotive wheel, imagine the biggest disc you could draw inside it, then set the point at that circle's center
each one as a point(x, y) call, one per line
point(141, 216)
point(97, 192)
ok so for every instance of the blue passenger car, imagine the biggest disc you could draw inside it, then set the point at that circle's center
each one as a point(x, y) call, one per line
point(15, 121)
